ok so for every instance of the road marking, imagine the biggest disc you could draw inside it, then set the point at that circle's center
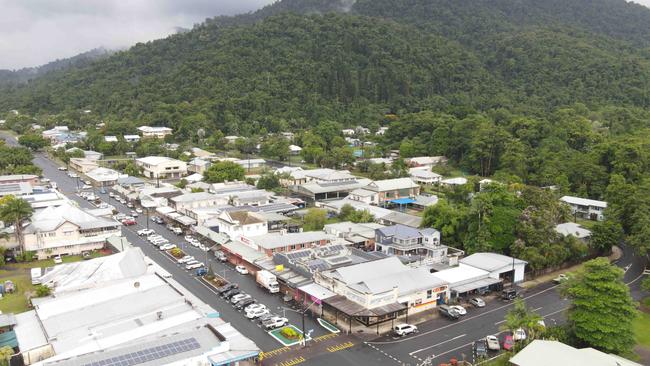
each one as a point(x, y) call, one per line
point(421, 334)
point(497, 323)
point(435, 345)
point(538, 309)
point(451, 350)
point(383, 353)
point(291, 362)
point(627, 268)
point(638, 277)
point(325, 337)
point(340, 347)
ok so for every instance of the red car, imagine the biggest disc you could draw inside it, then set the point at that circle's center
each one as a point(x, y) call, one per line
point(128, 222)
point(508, 343)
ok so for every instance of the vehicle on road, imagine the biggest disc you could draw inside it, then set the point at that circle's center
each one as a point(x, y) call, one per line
point(221, 256)
point(509, 294)
point(256, 313)
point(58, 259)
point(111, 194)
point(167, 246)
point(128, 222)
point(133, 213)
point(267, 280)
point(178, 231)
point(480, 349)
point(404, 329)
point(36, 275)
point(275, 322)
point(508, 343)
point(266, 317)
point(519, 334)
point(560, 278)
point(459, 309)
point(201, 271)
point(241, 270)
point(448, 312)
point(241, 304)
point(194, 266)
point(144, 232)
point(62, 168)
point(138, 210)
point(477, 301)
point(230, 293)
point(492, 343)
point(191, 261)
point(204, 248)
point(238, 297)
point(157, 220)
point(129, 205)
point(189, 238)
point(227, 287)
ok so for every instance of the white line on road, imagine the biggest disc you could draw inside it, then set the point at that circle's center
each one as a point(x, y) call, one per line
point(499, 322)
point(538, 309)
point(437, 344)
point(452, 350)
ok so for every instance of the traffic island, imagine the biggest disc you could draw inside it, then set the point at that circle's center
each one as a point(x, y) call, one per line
point(288, 336)
point(327, 325)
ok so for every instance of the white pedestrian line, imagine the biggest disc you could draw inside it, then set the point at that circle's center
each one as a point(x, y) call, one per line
point(435, 345)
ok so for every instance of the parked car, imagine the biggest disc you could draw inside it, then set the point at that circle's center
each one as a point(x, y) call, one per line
point(448, 312)
point(255, 306)
point(459, 309)
point(189, 238)
point(509, 294)
point(508, 343)
point(560, 278)
point(492, 343)
point(204, 248)
point(230, 293)
point(58, 259)
point(158, 220)
point(185, 259)
point(266, 317)
point(194, 266)
point(129, 205)
point(138, 210)
point(128, 222)
point(177, 231)
point(201, 271)
point(62, 168)
point(133, 213)
point(477, 301)
point(256, 313)
point(239, 297)
point(480, 349)
point(221, 256)
point(145, 232)
point(241, 270)
point(275, 322)
point(404, 329)
point(519, 334)
point(167, 246)
point(241, 304)
point(227, 287)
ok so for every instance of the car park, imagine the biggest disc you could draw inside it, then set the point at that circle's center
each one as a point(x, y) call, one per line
point(62, 168)
point(239, 297)
point(230, 293)
point(477, 302)
point(265, 317)
point(275, 322)
point(404, 329)
point(480, 349)
point(194, 266)
point(144, 232)
point(492, 343)
point(241, 304)
point(448, 312)
point(185, 259)
point(256, 313)
point(227, 287)
point(241, 270)
point(255, 306)
point(459, 309)
point(560, 278)
point(508, 343)
point(509, 294)
point(167, 246)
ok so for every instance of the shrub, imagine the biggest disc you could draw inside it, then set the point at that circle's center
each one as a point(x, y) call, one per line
point(289, 333)
point(177, 253)
point(42, 291)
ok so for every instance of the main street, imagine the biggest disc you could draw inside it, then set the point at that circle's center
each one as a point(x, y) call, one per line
point(438, 339)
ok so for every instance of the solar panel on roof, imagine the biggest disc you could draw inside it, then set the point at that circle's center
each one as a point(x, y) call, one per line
point(149, 354)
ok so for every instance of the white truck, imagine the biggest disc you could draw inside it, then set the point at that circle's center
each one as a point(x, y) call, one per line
point(268, 280)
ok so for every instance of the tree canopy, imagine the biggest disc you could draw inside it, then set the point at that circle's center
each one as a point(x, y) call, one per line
point(223, 171)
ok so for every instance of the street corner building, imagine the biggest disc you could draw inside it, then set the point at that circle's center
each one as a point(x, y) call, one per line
point(122, 310)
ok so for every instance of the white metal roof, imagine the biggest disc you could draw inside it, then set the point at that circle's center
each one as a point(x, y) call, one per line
point(277, 240)
point(543, 353)
point(571, 228)
point(490, 261)
point(583, 201)
point(392, 184)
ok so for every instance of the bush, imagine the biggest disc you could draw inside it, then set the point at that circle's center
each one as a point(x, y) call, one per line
point(289, 333)
point(177, 253)
point(42, 291)
point(26, 256)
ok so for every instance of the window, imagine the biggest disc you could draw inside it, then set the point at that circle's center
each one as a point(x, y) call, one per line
point(293, 247)
point(429, 294)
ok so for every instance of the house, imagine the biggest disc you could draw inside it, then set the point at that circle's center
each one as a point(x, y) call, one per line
point(497, 265)
point(231, 139)
point(360, 130)
point(145, 318)
point(198, 165)
point(82, 165)
point(451, 182)
point(325, 190)
point(295, 149)
point(380, 291)
point(154, 132)
point(424, 176)
point(386, 161)
point(348, 132)
point(184, 202)
point(573, 229)
point(381, 131)
point(285, 242)
point(88, 154)
point(557, 353)
point(161, 167)
point(131, 138)
point(426, 161)
point(203, 154)
point(67, 229)
point(361, 235)
point(51, 134)
point(110, 138)
point(251, 163)
point(103, 177)
point(241, 223)
point(30, 179)
point(255, 197)
point(408, 241)
point(382, 215)
point(392, 189)
point(586, 208)
point(131, 182)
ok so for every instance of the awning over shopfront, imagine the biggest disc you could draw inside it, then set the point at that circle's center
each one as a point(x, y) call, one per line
point(243, 251)
point(474, 285)
point(165, 210)
point(316, 291)
point(185, 220)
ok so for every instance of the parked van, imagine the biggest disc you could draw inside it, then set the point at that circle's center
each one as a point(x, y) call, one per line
point(36, 276)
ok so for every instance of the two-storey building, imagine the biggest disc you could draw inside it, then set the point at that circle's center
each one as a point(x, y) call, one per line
point(161, 167)
point(586, 208)
point(406, 240)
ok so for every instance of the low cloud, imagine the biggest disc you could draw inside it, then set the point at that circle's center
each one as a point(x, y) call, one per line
point(34, 32)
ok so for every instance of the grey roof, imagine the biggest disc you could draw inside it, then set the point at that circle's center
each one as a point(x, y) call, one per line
point(490, 261)
point(277, 240)
point(406, 232)
point(392, 184)
point(317, 187)
point(20, 188)
point(127, 181)
point(193, 197)
point(52, 217)
point(7, 320)
point(402, 218)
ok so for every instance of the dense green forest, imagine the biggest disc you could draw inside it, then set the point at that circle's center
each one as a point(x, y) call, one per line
point(545, 93)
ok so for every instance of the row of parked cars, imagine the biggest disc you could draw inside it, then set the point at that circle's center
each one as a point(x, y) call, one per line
point(251, 308)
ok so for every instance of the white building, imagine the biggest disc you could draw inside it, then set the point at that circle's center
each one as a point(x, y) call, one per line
point(188, 201)
point(238, 223)
point(155, 132)
point(426, 161)
point(348, 132)
point(450, 182)
point(295, 149)
point(497, 265)
point(67, 229)
point(124, 309)
point(424, 176)
point(251, 163)
point(586, 208)
point(103, 177)
point(110, 138)
point(131, 138)
point(161, 167)
point(573, 229)
point(543, 353)
point(198, 165)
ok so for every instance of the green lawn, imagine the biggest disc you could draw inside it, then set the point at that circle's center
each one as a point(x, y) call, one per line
point(641, 326)
point(646, 301)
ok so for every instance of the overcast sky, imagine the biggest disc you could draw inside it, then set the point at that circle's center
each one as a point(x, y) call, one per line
point(34, 32)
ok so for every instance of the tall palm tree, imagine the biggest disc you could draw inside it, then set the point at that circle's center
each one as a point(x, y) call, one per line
point(16, 210)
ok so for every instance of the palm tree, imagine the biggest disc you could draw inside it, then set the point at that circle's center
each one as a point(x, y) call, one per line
point(522, 317)
point(16, 210)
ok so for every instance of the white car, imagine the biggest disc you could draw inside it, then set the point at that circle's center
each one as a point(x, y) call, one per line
point(275, 322)
point(241, 270)
point(133, 213)
point(237, 298)
point(256, 313)
point(62, 168)
point(204, 248)
point(58, 259)
point(404, 329)
point(138, 210)
point(477, 301)
point(459, 309)
point(145, 232)
point(185, 259)
point(519, 335)
point(256, 306)
point(493, 343)
point(189, 238)
point(194, 243)
point(167, 246)
point(194, 266)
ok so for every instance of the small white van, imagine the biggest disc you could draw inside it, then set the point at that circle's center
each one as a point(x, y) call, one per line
point(36, 276)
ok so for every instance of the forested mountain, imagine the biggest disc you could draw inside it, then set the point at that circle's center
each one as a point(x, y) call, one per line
point(29, 73)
